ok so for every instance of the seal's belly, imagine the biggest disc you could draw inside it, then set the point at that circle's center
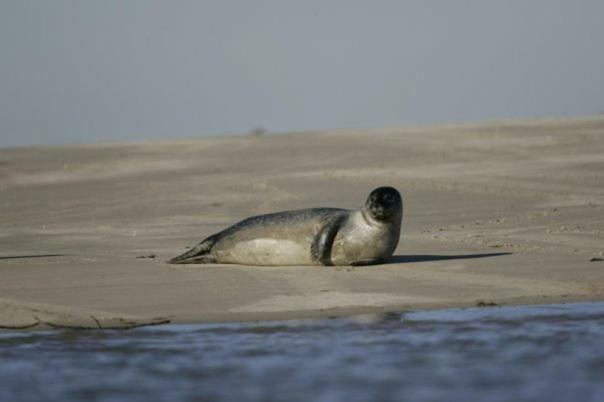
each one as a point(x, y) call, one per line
point(266, 251)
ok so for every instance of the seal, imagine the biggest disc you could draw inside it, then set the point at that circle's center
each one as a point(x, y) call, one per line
point(315, 236)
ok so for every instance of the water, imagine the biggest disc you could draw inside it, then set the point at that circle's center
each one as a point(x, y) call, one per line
point(549, 353)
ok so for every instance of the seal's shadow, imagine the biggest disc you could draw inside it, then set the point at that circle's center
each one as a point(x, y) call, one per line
point(18, 257)
point(403, 259)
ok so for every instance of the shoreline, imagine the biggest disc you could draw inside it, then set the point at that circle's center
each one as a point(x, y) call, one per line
point(112, 322)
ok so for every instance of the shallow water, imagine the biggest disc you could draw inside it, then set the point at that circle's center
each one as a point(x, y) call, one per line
point(553, 353)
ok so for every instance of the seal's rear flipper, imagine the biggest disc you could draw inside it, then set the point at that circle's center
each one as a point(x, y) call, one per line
point(197, 259)
point(198, 254)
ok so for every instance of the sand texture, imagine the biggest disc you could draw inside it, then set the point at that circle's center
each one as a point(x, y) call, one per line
point(503, 213)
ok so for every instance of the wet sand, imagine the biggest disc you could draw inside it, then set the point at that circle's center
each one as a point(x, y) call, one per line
point(505, 213)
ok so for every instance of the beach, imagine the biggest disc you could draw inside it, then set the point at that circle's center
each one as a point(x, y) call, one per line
point(504, 213)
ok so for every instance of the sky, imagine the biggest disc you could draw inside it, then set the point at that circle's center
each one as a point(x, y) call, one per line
point(76, 71)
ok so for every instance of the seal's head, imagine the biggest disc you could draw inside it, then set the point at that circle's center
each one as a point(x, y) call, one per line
point(384, 203)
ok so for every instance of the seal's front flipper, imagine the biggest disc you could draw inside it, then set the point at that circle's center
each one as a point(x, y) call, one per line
point(198, 254)
point(320, 250)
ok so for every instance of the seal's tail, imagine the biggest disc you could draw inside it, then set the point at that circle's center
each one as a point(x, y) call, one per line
point(198, 254)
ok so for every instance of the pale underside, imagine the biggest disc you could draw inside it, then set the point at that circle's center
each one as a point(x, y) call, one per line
point(267, 251)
